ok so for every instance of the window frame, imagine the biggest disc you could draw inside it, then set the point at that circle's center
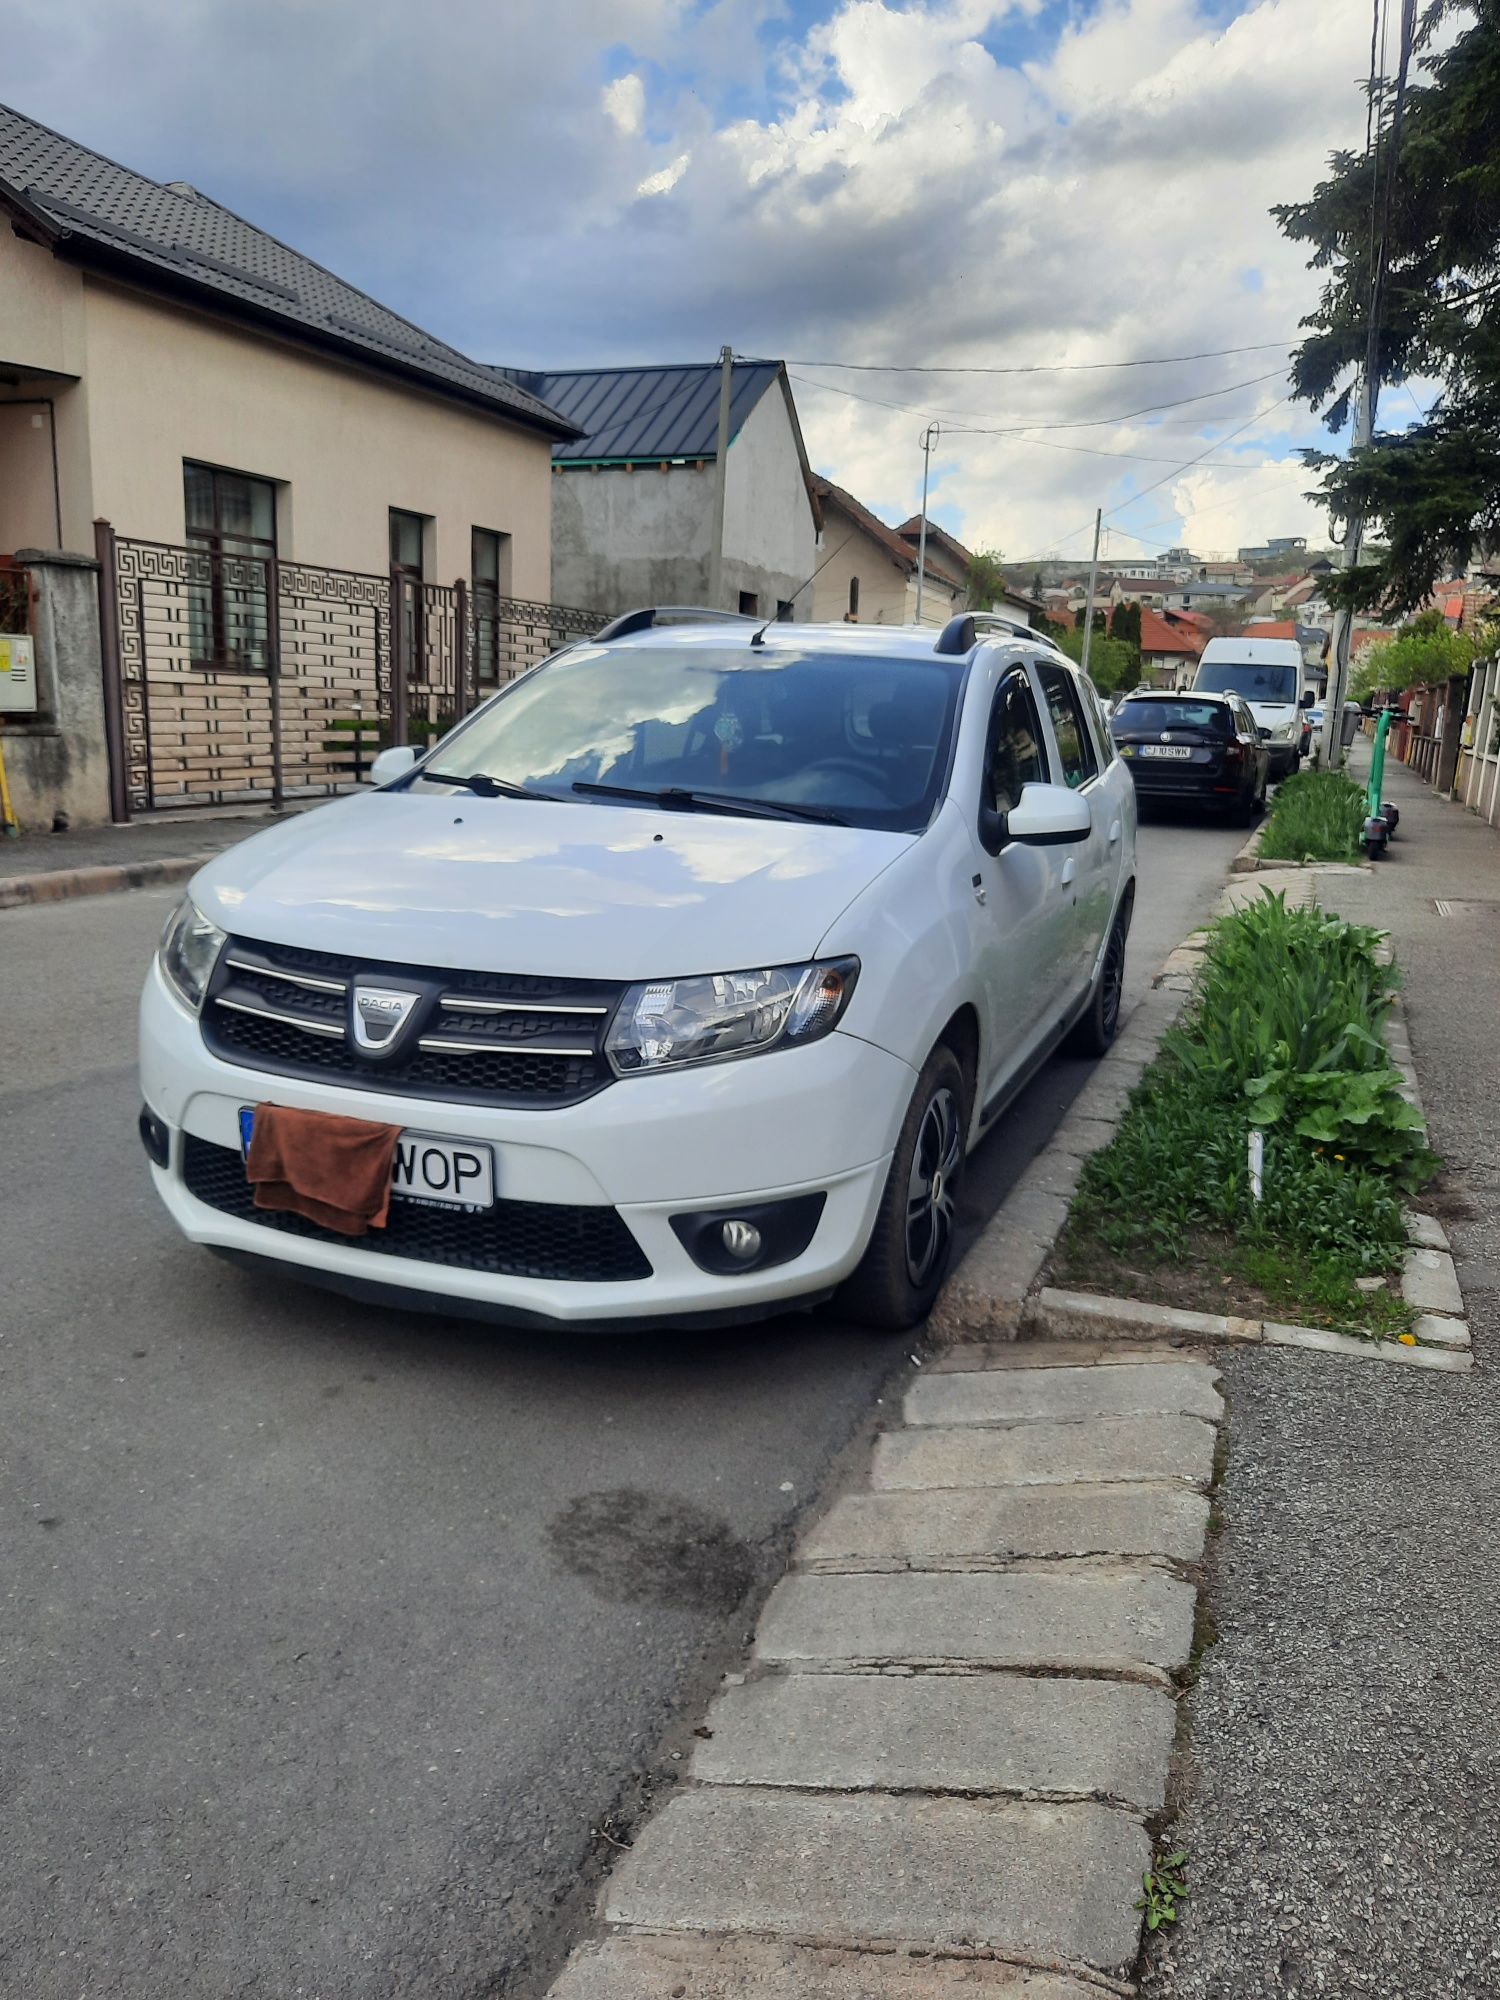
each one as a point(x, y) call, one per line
point(1016, 673)
point(225, 657)
point(1068, 680)
point(486, 595)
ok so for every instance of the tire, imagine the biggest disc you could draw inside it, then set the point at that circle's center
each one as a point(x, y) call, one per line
point(1093, 1034)
point(909, 1251)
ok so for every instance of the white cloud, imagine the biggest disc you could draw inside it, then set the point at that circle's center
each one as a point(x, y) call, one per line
point(944, 181)
point(624, 103)
point(666, 178)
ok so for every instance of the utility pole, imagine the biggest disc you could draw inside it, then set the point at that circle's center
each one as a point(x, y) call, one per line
point(1088, 609)
point(721, 475)
point(927, 436)
point(1331, 742)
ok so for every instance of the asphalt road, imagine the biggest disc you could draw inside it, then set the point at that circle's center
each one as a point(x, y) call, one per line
point(336, 1644)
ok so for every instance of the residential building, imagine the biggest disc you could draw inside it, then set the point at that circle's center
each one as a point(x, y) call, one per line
point(181, 373)
point(1171, 646)
point(306, 502)
point(633, 488)
point(1275, 548)
point(1201, 591)
point(867, 572)
point(947, 557)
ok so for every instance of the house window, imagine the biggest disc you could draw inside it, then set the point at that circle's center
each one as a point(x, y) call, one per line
point(749, 604)
point(408, 539)
point(784, 610)
point(854, 597)
point(490, 560)
point(231, 526)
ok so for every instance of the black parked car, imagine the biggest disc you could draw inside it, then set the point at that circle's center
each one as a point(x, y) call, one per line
point(1199, 749)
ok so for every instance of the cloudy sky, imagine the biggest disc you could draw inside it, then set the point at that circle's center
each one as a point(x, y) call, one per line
point(1006, 184)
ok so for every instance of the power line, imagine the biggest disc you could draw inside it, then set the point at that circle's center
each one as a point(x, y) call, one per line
point(962, 428)
point(1037, 367)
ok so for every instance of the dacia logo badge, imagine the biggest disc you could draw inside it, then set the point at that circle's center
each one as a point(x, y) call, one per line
point(378, 1016)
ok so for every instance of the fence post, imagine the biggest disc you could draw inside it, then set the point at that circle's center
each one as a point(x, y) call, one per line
point(399, 663)
point(273, 668)
point(463, 694)
point(110, 669)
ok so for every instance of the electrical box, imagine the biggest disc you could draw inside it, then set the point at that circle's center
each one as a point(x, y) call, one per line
point(17, 676)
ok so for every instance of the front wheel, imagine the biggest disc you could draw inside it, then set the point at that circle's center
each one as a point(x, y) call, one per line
point(1095, 1031)
point(911, 1245)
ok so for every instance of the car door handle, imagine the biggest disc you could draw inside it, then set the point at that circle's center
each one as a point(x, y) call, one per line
point(1114, 832)
point(1070, 869)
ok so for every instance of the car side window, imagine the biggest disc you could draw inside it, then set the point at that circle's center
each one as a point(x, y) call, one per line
point(1015, 756)
point(1104, 743)
point(1080, 762)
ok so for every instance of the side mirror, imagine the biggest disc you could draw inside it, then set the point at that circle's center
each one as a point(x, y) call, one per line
point(392, 764)
point(1049, 816)
point(1307, 698)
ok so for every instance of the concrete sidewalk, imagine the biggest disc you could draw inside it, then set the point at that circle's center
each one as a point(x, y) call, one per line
point(47, 867)
point(1343, 1815)
point(935, 1779)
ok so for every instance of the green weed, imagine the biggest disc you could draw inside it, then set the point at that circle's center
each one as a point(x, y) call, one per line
point(1165, 1888)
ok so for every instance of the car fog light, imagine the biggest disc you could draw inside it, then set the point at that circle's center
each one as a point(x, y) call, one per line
point(741, 1240)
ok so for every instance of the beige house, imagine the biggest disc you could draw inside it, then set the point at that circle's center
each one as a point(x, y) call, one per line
point(247, 422)
point(869, 573)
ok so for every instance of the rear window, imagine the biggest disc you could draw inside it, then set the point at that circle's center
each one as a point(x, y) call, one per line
point(1251, 681)
point(1174, 715)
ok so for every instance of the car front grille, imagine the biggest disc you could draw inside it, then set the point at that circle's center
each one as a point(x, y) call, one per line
point(473, 1038)
point(520, 1239)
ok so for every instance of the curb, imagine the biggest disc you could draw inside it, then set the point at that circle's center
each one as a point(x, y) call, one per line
point(60, 885)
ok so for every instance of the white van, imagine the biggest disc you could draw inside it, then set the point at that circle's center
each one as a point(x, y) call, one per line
point(1266, 673)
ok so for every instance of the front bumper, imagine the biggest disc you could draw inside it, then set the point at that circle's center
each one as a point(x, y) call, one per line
point(822, 1119)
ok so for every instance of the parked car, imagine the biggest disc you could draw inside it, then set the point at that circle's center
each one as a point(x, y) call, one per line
point(699, 957)
point(1194, 749)
point(1267, 675)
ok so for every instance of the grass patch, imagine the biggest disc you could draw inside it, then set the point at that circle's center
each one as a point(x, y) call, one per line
point(1285, 1040)
point(1315, 816)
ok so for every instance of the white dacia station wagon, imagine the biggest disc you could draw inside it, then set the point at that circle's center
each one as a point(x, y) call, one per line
point(691, 966)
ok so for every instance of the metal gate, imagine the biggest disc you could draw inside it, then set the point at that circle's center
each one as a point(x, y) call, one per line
point(249, 680)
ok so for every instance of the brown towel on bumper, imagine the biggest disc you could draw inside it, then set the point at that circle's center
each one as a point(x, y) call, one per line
point(334, 1171)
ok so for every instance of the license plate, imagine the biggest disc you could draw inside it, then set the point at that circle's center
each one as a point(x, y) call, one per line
point(440, 1173)
point(1165, 750)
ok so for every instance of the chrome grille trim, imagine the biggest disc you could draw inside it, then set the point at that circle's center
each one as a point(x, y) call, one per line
point(456, 1047)
point(268, 971)
point(464, 1003)
point(285, 1020)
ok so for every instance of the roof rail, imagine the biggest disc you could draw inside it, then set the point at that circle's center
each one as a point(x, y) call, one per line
point(648, 615)
point(960, 634)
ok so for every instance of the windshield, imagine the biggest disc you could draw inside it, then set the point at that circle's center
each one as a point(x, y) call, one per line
point(863, 740)
point(1251, 682)
point(1174, 715)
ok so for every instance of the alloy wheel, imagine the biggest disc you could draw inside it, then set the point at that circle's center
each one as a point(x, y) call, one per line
point(935, 1163)
point(1113, 981)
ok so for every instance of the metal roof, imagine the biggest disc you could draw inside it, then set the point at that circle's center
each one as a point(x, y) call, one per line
point(641, 414)
point(167, 233)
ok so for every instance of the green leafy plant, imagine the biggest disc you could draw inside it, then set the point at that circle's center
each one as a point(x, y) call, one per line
point(1285, 1039)
point(1165, 1888)
point(1315, 816)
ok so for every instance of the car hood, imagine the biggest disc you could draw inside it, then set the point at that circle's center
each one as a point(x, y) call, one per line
point(561, 890)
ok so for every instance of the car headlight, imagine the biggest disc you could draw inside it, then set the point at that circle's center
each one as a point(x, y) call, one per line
point(189, 950)
point(714, 1016)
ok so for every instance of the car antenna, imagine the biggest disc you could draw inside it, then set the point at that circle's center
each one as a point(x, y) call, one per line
point(758, 638)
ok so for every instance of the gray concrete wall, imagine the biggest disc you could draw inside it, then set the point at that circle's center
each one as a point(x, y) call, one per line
point(57, 762)
point(621, 539)
point(769, 536)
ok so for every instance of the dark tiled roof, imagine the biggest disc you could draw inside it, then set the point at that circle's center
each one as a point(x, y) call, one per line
point(170, 235)
point(646, 413)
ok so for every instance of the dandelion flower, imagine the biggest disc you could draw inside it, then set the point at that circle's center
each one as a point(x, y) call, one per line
point(1407, 1339)
point(1338, 1156)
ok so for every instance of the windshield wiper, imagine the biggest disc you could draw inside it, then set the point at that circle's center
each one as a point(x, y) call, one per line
point(681, 797)
point(486, 786)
